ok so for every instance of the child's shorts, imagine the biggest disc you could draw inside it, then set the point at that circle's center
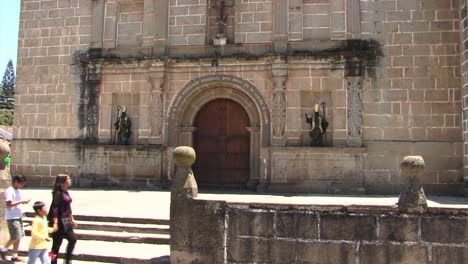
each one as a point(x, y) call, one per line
point(15, 227)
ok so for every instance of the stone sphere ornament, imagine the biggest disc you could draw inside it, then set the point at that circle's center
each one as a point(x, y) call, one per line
point(184, 156)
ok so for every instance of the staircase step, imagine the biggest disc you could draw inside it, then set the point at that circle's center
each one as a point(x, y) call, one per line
point(114, 219)
point(119, 236)
point(118, 227)
point(113, 252)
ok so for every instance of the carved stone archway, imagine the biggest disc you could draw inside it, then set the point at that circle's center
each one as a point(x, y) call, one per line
point(196, 93)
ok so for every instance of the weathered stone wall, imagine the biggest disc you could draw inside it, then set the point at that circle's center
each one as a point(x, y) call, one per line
point(396, 93)
point(414, 95)
point(273, 233)
point(47, 114)
point(257, 29)
point(187, 21)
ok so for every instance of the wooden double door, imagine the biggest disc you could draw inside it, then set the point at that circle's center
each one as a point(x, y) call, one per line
point(222, 144)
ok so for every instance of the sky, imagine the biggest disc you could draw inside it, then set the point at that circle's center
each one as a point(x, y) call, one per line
point(9, 25)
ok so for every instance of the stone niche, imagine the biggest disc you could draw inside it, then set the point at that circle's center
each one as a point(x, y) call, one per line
point(324, 100)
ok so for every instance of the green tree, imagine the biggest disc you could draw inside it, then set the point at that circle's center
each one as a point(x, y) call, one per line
point(7, 87)
point(6, 117)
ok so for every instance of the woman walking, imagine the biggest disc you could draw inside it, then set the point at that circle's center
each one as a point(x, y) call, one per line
point(61, 217)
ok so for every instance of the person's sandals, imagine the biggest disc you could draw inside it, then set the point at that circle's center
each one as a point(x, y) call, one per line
point(18, 259)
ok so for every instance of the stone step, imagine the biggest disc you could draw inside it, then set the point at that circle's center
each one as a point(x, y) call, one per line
point(124, 237)
point(117, 227)
point(112, 252)
point(127, 232)
point(114, 219)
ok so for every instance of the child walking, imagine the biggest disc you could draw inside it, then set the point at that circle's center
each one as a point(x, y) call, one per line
point(39, 235)
point(14, 216)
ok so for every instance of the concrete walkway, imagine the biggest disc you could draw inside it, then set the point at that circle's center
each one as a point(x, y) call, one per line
point(156, 204)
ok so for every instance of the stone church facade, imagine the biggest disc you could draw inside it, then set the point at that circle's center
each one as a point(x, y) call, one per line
point(235, 80)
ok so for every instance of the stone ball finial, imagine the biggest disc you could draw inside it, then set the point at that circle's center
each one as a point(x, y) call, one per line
point(184, 156)
point(412, 167)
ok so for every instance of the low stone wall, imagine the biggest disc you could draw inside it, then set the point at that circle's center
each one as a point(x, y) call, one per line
point(121, 166)
point(224, 232)
point(317, 170)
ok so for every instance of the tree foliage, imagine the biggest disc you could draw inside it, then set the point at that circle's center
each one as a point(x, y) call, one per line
point(6, 117)
point(7, 87)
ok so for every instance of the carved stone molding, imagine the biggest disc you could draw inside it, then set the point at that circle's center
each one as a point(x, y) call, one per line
point(90, 101)
point(157, 107)
point(278, 108)
point(354, 136)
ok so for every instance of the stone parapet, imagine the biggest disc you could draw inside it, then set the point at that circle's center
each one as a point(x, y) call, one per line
point(274, 233)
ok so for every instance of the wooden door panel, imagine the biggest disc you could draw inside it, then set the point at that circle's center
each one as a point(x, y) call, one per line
point(222, 144)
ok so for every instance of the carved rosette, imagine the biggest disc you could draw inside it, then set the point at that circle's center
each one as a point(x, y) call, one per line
point(156, 109)
point(354, 138)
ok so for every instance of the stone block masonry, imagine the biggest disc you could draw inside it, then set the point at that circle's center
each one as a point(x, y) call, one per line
point(288, 233)
point(389, 71)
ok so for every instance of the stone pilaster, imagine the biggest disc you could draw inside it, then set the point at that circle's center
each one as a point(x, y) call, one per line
point(157, 109)
point(338, 19)
point(354, 113)
point(98, 24)
point(280, 26)
point(353, 19)
point(278, 108)
point(254, 178)
point(110, 25)
point(155, 25)
point(91, 101)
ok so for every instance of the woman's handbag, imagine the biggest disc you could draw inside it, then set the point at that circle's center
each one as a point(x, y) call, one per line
point(67, 224)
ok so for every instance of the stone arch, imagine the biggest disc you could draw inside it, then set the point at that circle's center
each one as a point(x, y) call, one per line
point(198, 92)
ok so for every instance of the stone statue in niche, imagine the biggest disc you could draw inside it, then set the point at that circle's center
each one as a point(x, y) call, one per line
point(318, 126)
point(122, 125)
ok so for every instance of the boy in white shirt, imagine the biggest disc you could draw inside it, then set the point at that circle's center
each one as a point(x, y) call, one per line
point(14, 216)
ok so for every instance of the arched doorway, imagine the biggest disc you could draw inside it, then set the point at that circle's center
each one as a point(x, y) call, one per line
point(222, 143)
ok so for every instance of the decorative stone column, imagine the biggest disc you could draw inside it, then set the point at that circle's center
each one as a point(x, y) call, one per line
point(5, 182)
point(254, 177)
point(354, 90)
point(412, 197)
point(157, 110)
point(91, 101)
point(278, 108)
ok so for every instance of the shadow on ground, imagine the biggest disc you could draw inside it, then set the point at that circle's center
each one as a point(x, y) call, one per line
point(161, 260)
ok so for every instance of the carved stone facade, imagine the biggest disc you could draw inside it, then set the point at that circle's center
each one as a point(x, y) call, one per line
point(387, 76)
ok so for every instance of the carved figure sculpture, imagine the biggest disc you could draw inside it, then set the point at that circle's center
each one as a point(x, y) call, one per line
point(318, 126)
point(122, 126)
